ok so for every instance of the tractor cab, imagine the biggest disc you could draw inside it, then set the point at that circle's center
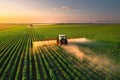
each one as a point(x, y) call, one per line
point(62, 40)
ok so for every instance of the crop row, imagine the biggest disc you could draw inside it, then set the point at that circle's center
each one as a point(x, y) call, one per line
point(18, 61)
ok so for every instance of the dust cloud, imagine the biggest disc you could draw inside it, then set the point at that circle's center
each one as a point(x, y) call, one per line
point(37, 44)
point(97, 61)
point(78, 40)
point(74, 50)
point(53, 42)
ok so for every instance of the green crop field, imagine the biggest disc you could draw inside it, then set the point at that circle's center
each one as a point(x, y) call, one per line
point(18, 60)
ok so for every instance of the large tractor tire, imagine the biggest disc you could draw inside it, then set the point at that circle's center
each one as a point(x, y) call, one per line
point(64, 42)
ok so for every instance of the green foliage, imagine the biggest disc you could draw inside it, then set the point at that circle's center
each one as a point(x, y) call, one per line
point(18, 60)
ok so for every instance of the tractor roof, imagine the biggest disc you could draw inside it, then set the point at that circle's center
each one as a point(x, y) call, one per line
point(61, 34)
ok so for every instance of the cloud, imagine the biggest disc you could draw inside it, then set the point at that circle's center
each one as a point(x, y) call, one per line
point(54, 8)
point(67, 8)
point(64, 8)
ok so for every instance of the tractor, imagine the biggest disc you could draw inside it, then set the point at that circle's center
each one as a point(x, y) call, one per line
point(62, 40)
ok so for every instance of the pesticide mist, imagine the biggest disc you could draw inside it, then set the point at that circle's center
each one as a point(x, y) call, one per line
point(99, 62)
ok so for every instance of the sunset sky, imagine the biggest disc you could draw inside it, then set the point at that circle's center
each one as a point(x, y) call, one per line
point(59, 11)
